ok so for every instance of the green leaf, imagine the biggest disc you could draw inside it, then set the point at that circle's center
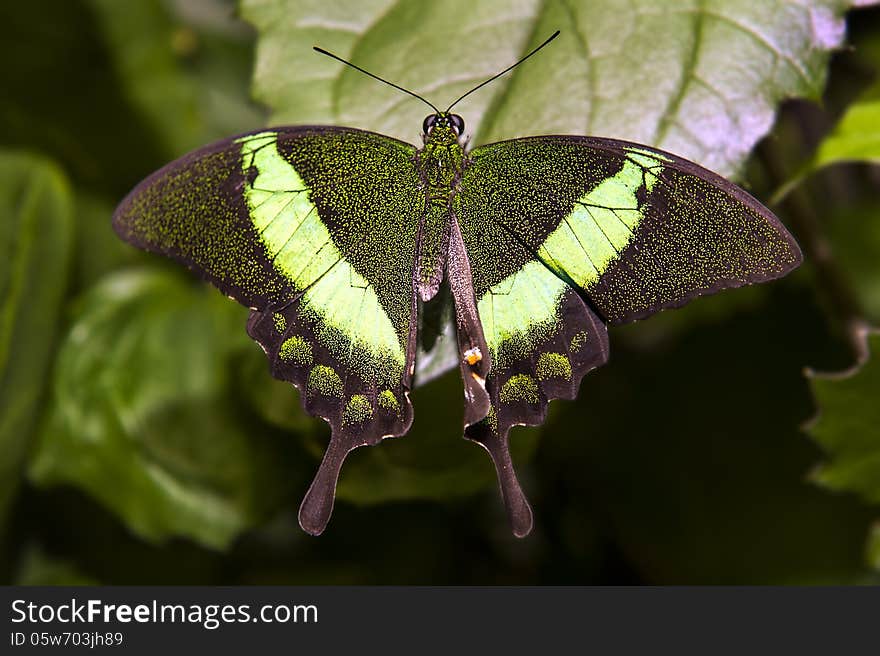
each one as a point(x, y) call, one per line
point(702, 79)
point(847, 426)
point(38, 568)
point(143, 416)
point(35, 245)
point(856, 137)
point(853, 232)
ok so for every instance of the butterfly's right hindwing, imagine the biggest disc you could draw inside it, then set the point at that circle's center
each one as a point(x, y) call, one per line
point(315, 230)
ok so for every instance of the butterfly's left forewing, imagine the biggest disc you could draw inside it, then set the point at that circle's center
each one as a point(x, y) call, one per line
point(315, 230)
point(566, 234)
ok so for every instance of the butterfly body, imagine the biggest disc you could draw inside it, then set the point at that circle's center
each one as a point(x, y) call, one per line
point(440, 163)
point(334, 237)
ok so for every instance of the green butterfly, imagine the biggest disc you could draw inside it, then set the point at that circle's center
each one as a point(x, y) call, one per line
point(337, 239)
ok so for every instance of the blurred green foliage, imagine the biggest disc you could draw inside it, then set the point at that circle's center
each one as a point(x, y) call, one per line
point(36, 207)
point(143, 440)
point(156, 434)
point(847, 424)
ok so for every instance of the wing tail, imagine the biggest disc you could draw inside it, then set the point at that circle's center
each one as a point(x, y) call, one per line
point(519, 511)
point(362, 395)
point(545, 361)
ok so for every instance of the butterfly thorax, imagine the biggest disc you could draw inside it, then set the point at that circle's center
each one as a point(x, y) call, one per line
point(440, 163)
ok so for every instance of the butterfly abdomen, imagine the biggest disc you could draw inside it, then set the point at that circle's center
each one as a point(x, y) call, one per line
point(433, 244)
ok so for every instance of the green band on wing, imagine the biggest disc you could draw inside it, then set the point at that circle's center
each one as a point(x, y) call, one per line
point(602, 222)
point(285, 218)
point(519, 304)
point(647, 158)
point(301, 248)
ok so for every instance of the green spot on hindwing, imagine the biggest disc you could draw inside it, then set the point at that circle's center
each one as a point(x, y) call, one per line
point(296, 350)
point(491, 419)
point(323, 380)
point(358, 410)
point(280, 322)
point(387, 401)
point(579, 341)
point(519, 388)
point(553, 365)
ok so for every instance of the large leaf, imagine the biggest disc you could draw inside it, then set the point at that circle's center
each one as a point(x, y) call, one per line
point(35, 245)
point(701, 78)
point(848, 425)
point(142, 416)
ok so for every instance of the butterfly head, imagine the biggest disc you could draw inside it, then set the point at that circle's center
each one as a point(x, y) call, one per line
point(443, 127)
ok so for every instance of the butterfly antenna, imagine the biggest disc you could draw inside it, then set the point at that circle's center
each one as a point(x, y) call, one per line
point(376, 77)
point(497, 75)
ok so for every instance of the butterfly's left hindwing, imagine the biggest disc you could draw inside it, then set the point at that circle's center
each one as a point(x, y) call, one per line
point(315, 230)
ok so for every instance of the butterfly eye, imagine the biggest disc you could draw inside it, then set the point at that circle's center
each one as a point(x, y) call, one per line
point(457, 123)
point(430, 122)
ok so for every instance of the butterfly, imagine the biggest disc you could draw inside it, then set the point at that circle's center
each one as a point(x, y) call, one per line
point(338, 239)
